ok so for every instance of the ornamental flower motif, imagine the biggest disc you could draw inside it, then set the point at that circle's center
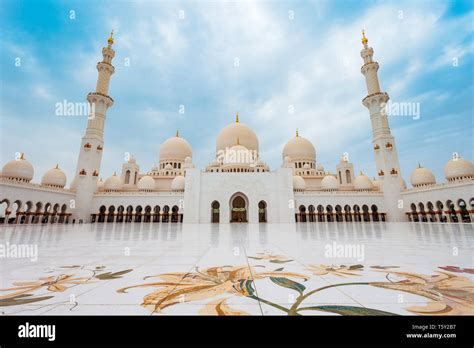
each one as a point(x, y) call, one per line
point(204, 284)
point(274, 258)
point(450, 294)
point(220, 307)
point(340, 271)
point(52, 283)
point(456, 269)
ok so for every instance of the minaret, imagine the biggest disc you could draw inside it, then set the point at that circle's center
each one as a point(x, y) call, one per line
point(92, 144)
point(385, 150)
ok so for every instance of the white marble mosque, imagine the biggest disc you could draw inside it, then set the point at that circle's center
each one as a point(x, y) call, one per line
point(237, 185)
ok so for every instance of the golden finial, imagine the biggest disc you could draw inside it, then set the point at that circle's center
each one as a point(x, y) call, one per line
point(297, 134)
point(110, 40)
point(419, 165)
point(57, 166)
point(177, 133)
point(115, 173)
point(364, 39)
point(237, 117)
point(22, 156)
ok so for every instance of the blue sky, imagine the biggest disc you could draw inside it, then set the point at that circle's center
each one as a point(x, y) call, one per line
point(310, 62)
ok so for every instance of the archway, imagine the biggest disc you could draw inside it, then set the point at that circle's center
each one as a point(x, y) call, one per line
point(262, 211)
point(111, 214)
point(238, 208)
point(375, 212)
point(347, 213)
point(463, 211)
point(312, 214)
point(215, 208)
point(147, 217)
point(102, 210)
point(174, 214)
point(302, 210)
point(339, 217)
point(166, 214)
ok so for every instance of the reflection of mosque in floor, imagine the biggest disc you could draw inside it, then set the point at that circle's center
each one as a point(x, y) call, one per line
point(237, 186)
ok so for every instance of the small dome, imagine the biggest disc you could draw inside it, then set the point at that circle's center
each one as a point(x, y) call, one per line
point(236, 130)
point(188, 163)
point(100, 184)
point(214, 163)
point(19, 169)
point(113, 183)
point(363, 183)
point(146, 183)
point(377, 184)
point(54, 177)
point(175, 148)
point(329, 183)
point(178, 183)
point(298, 183)
point(403, 184)
point(422, 177)
point(299, 148)
point(458, 169)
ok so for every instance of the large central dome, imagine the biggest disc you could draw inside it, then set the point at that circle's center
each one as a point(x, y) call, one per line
point(234, 132)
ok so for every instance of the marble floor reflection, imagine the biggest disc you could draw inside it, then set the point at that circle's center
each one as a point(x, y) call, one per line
point(237, 269)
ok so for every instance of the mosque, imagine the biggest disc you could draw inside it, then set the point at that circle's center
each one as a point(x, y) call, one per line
point(237, 186)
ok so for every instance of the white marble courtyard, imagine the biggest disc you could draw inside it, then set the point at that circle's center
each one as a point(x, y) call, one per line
point(238, 269)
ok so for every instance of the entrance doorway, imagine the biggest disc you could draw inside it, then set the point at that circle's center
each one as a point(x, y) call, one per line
point(238, 209)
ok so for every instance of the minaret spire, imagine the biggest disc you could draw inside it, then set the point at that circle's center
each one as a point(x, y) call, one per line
point(110, 40)
point(90, 152)
point(237, 117)
point(385, 151)
point(364, 39)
